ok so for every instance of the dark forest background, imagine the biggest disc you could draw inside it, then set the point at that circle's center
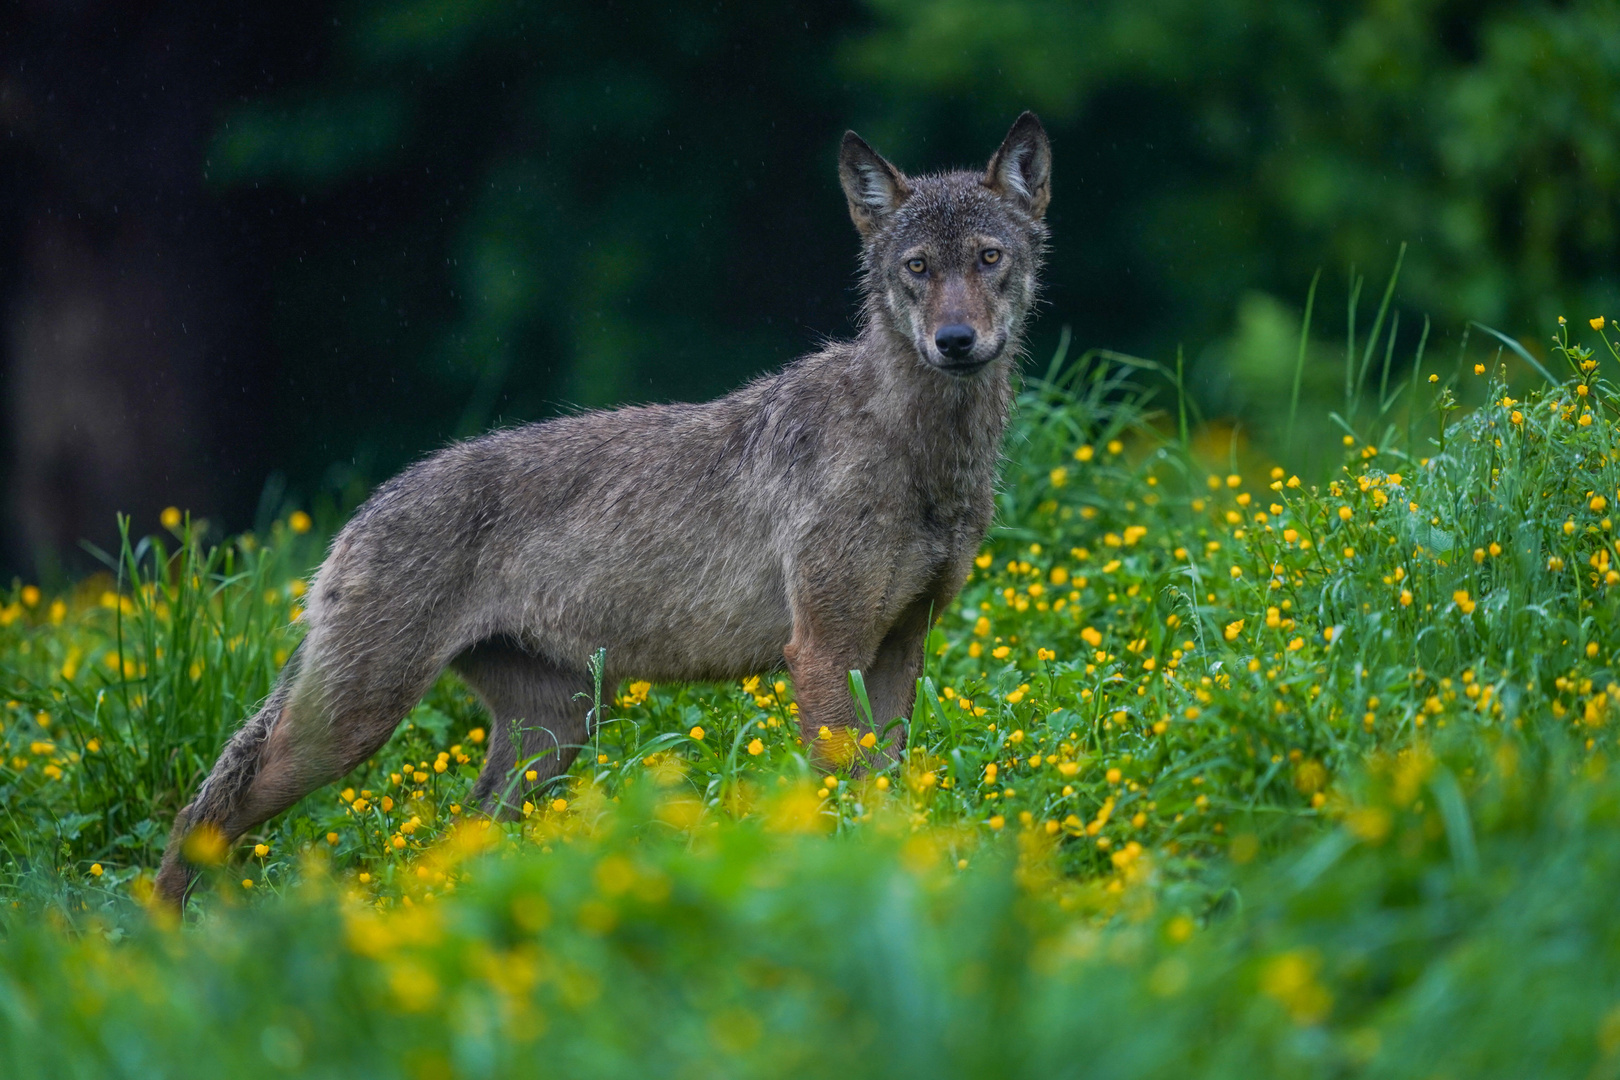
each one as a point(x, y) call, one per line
point(251, 253)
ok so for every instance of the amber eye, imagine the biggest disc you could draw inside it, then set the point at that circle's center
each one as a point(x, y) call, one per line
point(916, 266)
point(991, 256)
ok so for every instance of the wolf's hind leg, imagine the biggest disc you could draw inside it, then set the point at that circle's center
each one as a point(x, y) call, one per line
point(316, 726)
point(233, 771)
point(545, 704)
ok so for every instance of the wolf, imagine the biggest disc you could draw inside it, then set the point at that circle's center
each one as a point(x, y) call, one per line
point(813, 519)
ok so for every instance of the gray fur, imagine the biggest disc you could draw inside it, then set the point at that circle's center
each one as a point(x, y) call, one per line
point(813, 517)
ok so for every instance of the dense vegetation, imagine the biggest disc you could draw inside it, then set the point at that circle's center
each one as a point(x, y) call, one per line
point(1214, 772)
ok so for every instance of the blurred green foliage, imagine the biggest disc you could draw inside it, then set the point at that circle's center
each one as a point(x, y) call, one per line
point(498, 210)
point(1431, 934)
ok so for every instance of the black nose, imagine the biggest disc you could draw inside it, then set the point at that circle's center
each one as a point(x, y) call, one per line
point(955, 340)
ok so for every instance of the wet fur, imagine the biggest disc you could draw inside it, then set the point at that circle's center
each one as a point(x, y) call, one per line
point(812, 518)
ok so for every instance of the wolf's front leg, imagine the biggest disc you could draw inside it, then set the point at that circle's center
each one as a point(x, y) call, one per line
point(820, 667)
point(891, 681)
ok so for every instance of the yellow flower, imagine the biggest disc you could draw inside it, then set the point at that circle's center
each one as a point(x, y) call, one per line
point(1115, 446)
point(1091, 637)
point(1112, 776)
point(206, 845)
point(1237, 572)
point(1597, 323)
point(1045, 654)
point(170, 517)
point(261, 850)
point(1516, 416)
point(1233, 629)
point(756, 748)
point(1463, 601)
point(696, 733)
point(332, 838)
point(983, 560)
point(1345, 513)
point(1085, 453)
point(1290, 978)
point(531, 776)
point(247, 883)
point(1598, 503)
point(997, 822)
point(1000, 652)
point(30, 595)
point(95, 869)
point(1479, 369)
point(1059, 476)
point(299, 522)
point(476, 735)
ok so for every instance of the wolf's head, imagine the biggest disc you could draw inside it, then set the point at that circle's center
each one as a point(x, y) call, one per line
point(951, 259)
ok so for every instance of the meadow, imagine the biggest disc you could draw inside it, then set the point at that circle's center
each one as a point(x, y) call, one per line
point(1213, 771)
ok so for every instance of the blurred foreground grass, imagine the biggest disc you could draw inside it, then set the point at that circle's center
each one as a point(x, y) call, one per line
point(1224, 773)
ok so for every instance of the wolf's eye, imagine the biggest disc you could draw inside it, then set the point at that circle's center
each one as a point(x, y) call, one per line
point(916, 266)
point(991, 256)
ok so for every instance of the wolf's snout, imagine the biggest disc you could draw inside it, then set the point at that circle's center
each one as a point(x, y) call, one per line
point(955, 341)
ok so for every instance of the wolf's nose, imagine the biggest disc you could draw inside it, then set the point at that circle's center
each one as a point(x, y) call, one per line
point(955, 340)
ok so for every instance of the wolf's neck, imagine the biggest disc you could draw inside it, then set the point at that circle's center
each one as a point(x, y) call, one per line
point(939, 421)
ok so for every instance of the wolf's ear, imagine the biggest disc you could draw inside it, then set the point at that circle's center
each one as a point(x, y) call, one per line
point(1022, 169)
point(875, 189)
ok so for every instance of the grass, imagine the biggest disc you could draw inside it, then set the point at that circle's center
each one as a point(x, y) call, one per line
point(1221, 772)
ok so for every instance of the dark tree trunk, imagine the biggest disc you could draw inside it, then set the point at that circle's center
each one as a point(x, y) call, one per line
point(124, 312)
